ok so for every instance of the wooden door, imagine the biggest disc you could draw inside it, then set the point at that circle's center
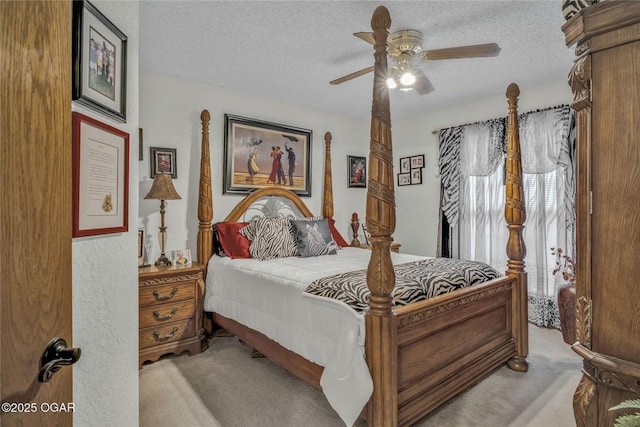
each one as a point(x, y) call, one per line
point(35, 208)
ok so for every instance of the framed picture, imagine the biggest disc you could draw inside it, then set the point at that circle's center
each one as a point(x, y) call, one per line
point(100, 177)
point(365, 233)
point(404, 179)
point(181, 258)
point(140, 243)
point(357, 171)
point(405, 164)
point(163, 160)
point(260, 154)
point(417, 161)
point(416, 176)
point(99, 55)
point(140, 146)
point(142, 262)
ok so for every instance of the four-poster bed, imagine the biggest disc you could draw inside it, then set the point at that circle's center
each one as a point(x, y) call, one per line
point(421, 354)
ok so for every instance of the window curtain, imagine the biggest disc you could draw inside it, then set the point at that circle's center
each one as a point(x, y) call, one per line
point(472, 170)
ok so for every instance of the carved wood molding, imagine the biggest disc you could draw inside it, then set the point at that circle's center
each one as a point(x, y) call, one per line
point(421, 316)
point(579, 78)
point(610, 371)
point(582, 400)
point(172, 279)
point(583, 47)
point(583, 321)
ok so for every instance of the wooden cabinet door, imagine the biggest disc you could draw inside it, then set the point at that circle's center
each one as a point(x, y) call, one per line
point(35, 208)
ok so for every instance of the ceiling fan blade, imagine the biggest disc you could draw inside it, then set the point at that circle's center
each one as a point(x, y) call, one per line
point(351, 76)
point(422, 85)
point(472, 51)
point(368, 37)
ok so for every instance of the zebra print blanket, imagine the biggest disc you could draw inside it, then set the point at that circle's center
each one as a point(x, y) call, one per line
point(415, 281)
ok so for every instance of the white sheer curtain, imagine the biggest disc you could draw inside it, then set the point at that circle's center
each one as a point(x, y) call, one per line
point(479, 225)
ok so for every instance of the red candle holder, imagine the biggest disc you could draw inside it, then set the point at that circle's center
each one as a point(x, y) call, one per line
point(355, 225)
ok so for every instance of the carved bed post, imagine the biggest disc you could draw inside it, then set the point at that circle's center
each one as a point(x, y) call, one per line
point(381, 222)
point(205, 199)
point(515, 215)
point(327, 198)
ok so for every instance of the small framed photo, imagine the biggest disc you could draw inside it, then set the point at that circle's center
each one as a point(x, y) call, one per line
point(142, 256)
point(100, 177)
point(405, 164)
point(417, 161)
point(357, 171)
point(416, 176)
point(181, 258)
point(99, 55)
point(366, 233)
point(163, 160)
point(140, 244)
point(404, 179)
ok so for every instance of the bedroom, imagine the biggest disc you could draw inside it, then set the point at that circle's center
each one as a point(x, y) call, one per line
point(113, 285)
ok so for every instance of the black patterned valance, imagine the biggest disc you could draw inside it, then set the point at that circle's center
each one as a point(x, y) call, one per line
point(571, 7)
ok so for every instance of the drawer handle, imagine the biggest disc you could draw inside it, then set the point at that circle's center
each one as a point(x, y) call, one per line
point(170, 335)
point(159, 297)
point(158, 316)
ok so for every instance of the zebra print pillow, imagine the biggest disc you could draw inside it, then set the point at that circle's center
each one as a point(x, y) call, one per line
point(270, 238)
point(313, 238)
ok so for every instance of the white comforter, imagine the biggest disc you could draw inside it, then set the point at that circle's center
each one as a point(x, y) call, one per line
point(269, 296)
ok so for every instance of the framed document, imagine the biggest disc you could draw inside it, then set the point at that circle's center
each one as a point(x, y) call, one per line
point(100, 177)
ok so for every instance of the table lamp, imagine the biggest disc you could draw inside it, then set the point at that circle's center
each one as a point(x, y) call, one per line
point(162, 189)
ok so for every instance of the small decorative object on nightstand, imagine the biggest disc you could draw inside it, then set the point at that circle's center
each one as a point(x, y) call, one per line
point(355, 225)
point(170, 310)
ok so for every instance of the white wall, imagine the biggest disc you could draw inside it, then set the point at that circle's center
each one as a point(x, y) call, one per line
point(170, 118)
point(417, 205)
point(105, 280)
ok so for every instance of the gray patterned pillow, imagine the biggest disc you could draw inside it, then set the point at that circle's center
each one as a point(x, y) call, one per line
point(270, 238)
point(313, 238)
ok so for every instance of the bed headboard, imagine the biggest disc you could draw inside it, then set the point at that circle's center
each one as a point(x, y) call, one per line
point(269, 202)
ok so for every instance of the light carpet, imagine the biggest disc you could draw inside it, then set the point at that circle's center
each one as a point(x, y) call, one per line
point(224, 386)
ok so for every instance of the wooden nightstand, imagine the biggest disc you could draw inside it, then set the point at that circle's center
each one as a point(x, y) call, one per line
point(170, 311)
point(395, 247)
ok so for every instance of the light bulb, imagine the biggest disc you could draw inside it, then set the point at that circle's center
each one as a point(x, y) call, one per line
point(407, 79)
point(391, 83)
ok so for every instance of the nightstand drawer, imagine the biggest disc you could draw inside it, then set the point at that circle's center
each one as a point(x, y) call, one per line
point(164, 334)
point(165, 313)
point(167, 293)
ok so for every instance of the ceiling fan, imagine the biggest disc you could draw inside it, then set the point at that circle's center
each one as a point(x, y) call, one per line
point(403, 47)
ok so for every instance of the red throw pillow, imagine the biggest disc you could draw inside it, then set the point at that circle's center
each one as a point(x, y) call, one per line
point(234, 244)
point(336, 234)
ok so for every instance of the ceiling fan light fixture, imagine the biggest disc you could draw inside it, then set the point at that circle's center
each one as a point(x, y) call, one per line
point(407, 79)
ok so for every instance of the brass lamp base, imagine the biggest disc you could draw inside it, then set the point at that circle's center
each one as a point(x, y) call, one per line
point(163, 261)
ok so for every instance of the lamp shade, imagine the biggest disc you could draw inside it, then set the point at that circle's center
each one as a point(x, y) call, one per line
point(162, 188)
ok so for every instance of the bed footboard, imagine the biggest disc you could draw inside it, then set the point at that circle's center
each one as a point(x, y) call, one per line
point(448, 343)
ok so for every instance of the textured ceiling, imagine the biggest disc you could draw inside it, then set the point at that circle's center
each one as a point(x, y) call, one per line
point(290, 50)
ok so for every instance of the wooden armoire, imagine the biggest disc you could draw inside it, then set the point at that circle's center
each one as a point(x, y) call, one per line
point(605, 81)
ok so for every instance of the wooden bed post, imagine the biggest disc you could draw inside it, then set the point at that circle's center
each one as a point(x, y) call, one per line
point(327, 197)
point(381, 221)
point(515, 215)
point(205, 199)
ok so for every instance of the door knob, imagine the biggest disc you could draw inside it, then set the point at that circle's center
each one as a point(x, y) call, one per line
point(55, 356)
